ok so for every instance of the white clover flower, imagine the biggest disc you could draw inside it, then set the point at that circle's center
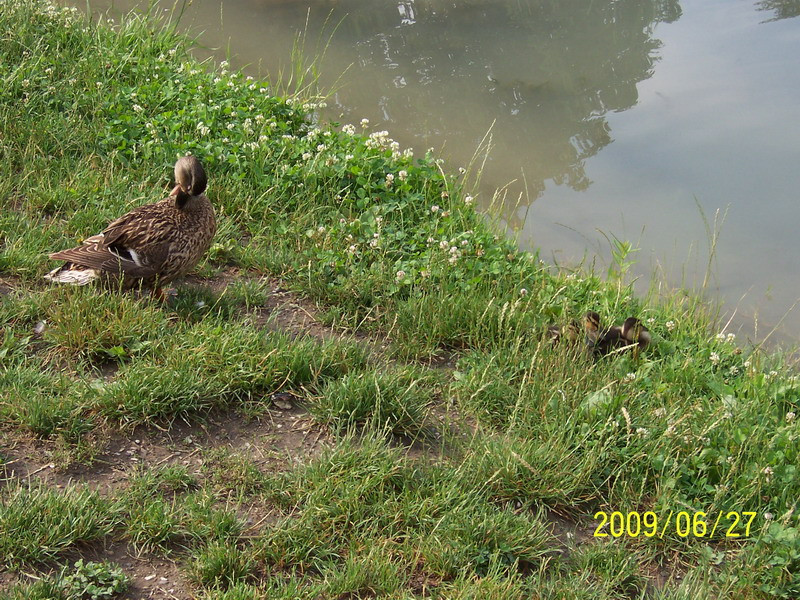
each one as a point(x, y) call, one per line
point(364, 122)
point(352, 249)
point(400, 275)
point(389, 179)
point(767, 471)
point(306, 155)
point(768, 516)
point(650, 321)
point(629, 377)
point(720, 337)
point(137, 108)
point(790, 416)
point(746, 364)
point(348, 157)
point(670, 325)
point(642, 431)
point(435, 208)
point(468, 200)
point(660, 412)
point(402, 175)
point(321, 229)
point(523, 292)
point(734, 370)
point(230, 126)
point(446, 213)
point(349, 129)
point(444, 245)
point(714, 358)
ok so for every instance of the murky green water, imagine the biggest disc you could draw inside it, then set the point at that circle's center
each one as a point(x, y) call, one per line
point(624, 119)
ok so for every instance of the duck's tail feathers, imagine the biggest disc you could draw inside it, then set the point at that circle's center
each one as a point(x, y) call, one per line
point(72, 275)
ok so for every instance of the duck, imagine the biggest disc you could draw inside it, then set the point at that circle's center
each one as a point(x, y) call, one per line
point(151, 245)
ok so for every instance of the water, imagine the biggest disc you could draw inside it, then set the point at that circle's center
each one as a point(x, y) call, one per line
point(633, 119)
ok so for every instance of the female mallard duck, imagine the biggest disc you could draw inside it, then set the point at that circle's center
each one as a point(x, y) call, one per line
point(152, 244)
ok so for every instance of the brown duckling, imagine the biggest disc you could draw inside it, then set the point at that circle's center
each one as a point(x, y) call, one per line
point(634, 332)
point(631, 334)
point(152, 244)
point(568, 333)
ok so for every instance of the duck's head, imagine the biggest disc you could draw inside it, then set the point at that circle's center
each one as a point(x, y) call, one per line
point(591, 326)
point(190, 178)
point(591, 322)
point(634, 331)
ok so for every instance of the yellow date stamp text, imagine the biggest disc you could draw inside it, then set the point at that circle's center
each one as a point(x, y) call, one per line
point(731, 524)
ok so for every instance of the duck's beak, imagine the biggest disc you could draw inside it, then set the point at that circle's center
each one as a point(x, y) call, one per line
point(176, 191)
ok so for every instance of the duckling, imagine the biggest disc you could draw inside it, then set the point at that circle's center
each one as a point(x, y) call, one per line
point(598, 340)
point(152, 244)
point(568, 333)
point(634, 332)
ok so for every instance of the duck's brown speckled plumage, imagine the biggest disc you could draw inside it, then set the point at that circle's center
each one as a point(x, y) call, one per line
point(619, 338)
point(151, 245)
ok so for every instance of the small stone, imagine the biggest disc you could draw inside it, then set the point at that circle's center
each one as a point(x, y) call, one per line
point(149, 577)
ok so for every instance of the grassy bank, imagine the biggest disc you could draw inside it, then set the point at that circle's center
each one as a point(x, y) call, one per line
point(464, 455)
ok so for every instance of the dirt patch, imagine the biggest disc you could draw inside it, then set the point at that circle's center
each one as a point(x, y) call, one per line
point(286, 311)
point(276, 440)
point(7, 286)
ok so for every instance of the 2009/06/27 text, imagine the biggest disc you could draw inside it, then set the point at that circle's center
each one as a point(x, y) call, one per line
point(731, 524)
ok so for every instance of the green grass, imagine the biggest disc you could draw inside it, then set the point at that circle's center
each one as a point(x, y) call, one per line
point(386, 243)
point(37, 523)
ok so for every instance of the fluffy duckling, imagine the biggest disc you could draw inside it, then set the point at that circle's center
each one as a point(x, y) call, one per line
point(152, 244)
point(569, 333)
point(631, 334)
point(634, 332)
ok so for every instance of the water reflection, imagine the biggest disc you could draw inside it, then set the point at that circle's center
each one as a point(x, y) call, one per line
point(550, 70)
point(783, 9)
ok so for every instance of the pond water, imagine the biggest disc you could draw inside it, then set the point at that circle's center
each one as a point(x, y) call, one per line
point(641, 120)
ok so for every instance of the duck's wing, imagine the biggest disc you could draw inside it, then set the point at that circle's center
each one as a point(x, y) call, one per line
point(135, 244)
